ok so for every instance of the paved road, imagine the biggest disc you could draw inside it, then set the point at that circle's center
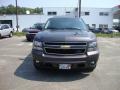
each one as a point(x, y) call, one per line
point(18, 73)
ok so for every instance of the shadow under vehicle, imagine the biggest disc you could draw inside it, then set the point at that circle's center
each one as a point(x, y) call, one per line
point(27, 71)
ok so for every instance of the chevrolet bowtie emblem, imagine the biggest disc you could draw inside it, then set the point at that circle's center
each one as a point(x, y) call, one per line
point(65, 46)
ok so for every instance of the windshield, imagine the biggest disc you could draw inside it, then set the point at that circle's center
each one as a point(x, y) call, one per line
point(65, 23)
point(37, 26)
point(34, 26)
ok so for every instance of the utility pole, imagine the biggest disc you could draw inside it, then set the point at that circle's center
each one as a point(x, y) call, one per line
point(79, 8)
point(119, 22)
point(16, 15)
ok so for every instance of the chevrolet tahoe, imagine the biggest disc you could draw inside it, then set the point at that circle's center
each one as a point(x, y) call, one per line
point(65, 43)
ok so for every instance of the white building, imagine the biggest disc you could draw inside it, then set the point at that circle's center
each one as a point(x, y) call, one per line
point(95, 17)
point(58, 11)
point(98, 17)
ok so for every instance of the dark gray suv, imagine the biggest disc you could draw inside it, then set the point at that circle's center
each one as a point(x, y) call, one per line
point(65, 43)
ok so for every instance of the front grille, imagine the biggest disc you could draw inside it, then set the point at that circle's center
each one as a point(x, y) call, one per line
point(33, 32)
point(74, 48)
point(64, 51)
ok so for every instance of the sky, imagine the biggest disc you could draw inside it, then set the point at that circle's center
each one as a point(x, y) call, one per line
point(62, 3)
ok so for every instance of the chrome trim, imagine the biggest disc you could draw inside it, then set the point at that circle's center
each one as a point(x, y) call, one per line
point(63, 44)
point(53, 56)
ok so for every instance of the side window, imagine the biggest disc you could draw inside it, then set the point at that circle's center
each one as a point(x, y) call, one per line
point(103, 25)
point(52, 13)
point(94, 26)
point(87, 13)
point(6, 26)
point(3, 27)
point(103, 13)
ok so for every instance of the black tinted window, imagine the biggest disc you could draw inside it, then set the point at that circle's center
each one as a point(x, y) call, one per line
point(6, 26)
point(65, 23)
point(52, 13)
point(2, 27)
point(37, 26)
point(87, 13)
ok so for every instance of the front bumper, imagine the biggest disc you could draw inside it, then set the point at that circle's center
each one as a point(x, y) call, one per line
point(87, 59)
point(30, 36)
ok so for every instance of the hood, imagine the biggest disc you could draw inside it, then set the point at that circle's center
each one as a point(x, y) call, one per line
point(32, 30)
point(65, 35)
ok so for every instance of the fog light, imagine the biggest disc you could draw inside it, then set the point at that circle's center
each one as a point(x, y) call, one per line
point(37, 61)
point(92, 63)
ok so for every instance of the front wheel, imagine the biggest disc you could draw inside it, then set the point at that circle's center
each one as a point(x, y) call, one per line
point(11, 34)
point(0, 36)
point(28, 39)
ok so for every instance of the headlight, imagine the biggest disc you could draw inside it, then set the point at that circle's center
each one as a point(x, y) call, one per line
point(37, 45)
point(92, 46)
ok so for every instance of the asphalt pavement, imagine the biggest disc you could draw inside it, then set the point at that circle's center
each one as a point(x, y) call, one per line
point(18, 73)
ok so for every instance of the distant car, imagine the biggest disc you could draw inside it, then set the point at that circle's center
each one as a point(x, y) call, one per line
point(115, 31)
point(31, 32)
point(117, 28)
point(96, 30)
point(5, 30)
point(107, 31)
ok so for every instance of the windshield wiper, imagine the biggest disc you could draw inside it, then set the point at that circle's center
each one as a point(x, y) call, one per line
point(52, 28)
point(73, 28)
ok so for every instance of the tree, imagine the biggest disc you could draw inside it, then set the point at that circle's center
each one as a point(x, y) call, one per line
point(38, 10)
point(2, 10)
point(10, 9)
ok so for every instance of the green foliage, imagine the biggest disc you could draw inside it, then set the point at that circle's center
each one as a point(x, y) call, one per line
point(10, 9)
point(108, 35)
point(19, 34)
point(38, 10)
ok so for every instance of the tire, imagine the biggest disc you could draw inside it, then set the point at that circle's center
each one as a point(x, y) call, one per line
point(28, 39)
point(0, 36)
point(11, 34)
point(90, 69)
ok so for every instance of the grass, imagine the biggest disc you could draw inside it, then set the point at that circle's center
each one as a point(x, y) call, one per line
point(108, 35)
point(98, 35)
point(19, 34)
